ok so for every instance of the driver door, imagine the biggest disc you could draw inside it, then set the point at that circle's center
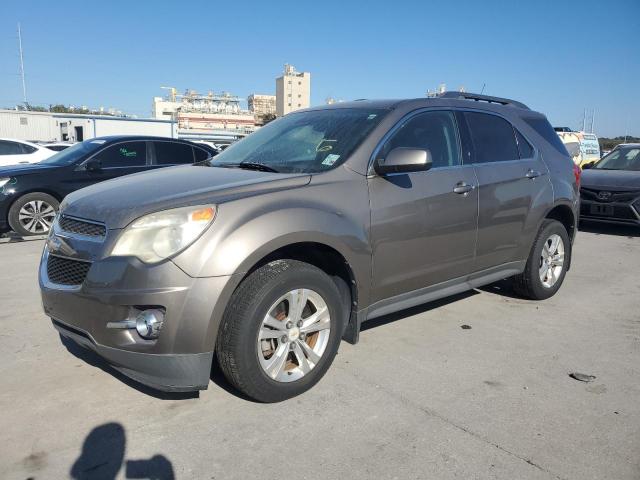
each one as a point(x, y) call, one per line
point(423, 233)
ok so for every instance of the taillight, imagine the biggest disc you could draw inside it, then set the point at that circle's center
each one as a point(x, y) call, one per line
point(577, 171)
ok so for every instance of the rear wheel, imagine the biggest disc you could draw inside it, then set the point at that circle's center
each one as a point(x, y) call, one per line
point(33, 214)
point(547, 263)
point(281, 331)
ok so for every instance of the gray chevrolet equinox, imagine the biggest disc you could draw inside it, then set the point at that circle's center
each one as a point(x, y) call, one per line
point(272, 252)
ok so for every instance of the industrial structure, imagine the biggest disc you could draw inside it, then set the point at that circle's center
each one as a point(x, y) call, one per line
point(293, 90)
point(263, 107)
point(211, 116)
point(51, 127)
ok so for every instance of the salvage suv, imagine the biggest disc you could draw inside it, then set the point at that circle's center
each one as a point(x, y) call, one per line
point(272, 252)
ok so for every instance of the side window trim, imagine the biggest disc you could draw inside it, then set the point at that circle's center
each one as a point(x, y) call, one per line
point(405, 118)
point(472, 146)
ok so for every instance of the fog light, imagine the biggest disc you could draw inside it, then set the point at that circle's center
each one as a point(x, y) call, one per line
point(149, 323)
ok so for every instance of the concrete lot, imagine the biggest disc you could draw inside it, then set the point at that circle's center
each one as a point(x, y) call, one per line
point(419, 397)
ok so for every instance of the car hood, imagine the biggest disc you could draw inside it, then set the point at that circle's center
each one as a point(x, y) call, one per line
point(120, 201)
point(25, 168)
point(610, 179)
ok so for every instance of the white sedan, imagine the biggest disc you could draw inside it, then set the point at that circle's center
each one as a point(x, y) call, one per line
point(14, 151)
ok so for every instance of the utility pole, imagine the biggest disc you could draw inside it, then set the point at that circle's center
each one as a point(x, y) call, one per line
point(24, 85)
point(593, 116)
point(584, 120)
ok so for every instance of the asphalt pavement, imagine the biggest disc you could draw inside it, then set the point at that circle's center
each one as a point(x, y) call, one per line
point(419, 397)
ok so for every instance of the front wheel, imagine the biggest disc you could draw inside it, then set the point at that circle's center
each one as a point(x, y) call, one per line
point(547, 263)
point(33, 214)
point(280, 331)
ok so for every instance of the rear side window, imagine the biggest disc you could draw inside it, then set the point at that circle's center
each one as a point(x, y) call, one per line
point(201, 154)
point(10, 148)
point(546, 131)
point(173, 153)
point(493, 138)
point(524, 147)
point(433, 131)
point(27, 148)
point(127, 154)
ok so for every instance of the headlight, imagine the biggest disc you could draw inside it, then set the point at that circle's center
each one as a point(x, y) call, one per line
point(4, 181)
point(157, 236)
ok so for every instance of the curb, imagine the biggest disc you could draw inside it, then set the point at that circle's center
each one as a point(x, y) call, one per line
point(13, 238)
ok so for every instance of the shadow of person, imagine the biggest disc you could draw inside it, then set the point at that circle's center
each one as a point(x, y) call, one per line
point(157, 467)
point(102, 456)
point(102, 453)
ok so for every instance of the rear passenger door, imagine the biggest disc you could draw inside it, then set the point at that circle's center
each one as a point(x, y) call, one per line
point(168, 153)
point(512, 180)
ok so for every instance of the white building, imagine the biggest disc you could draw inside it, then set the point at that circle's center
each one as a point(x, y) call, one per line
point(293, 90)
point(47, 126)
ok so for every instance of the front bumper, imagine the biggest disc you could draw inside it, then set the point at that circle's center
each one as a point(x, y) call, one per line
point(623, 213)
point(114, 290)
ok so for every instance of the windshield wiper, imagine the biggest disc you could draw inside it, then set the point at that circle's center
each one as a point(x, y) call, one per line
point(257, 166)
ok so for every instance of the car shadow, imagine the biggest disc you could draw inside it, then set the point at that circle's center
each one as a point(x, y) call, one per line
point(93, 359)
point(598, 228)
point(103, 454)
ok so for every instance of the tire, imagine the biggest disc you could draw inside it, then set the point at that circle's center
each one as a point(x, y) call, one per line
point(39, 206)
point(530, 284)
point(241, 342)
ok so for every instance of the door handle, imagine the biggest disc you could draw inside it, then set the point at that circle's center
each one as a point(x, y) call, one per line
point(532, 173)
point(462, 187)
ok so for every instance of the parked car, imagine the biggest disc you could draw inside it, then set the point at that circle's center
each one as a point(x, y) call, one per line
point(57, 146)
point(13, 152)
point(283, 244)
point(611, 187)
point(30, 194)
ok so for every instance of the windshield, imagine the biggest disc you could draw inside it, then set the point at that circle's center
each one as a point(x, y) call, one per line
point(74, 153)
point(624, 158)
point(305, 142)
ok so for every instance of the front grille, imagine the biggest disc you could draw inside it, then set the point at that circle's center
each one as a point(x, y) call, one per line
point(624, 196)
point(619, 212)
point(80, 227)
point(65, 271)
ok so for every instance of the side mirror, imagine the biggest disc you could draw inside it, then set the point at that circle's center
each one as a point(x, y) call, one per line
point(404, 160)
point(587, 166)
point(93, 165)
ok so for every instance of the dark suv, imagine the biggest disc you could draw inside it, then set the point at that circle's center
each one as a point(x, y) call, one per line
point(30, 193)
point(283, 244)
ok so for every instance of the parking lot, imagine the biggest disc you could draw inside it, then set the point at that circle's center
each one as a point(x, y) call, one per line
point(419, 397)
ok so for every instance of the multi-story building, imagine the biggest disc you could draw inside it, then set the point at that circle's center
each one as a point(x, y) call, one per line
point(293, 90)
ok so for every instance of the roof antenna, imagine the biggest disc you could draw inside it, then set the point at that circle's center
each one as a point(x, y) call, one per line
point(24, 86)
point(482, 91)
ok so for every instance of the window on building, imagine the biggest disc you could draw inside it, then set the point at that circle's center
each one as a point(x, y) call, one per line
point(299, 105)
point(289, 104)
point(433, 131)
point(493, 138)
point(127, 154)
point(299, 83)
point(23, 121)
point(173, 153)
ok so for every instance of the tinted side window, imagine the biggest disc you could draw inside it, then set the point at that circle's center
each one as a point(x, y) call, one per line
point(433, 131)
point(201, 154)
point(27, 148)
point(127, 154)
point(493, 138)
point(525, 148)
point(546, 131)
point(10, 148)
point(172, 153)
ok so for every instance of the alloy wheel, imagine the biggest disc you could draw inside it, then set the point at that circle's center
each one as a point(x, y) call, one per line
point(294, 335)
point(551, 261)
point(36, 216)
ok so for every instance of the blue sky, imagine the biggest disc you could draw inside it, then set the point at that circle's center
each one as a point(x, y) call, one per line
point(558, 57)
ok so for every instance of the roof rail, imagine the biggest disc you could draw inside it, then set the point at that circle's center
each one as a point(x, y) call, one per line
point(483, 98)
